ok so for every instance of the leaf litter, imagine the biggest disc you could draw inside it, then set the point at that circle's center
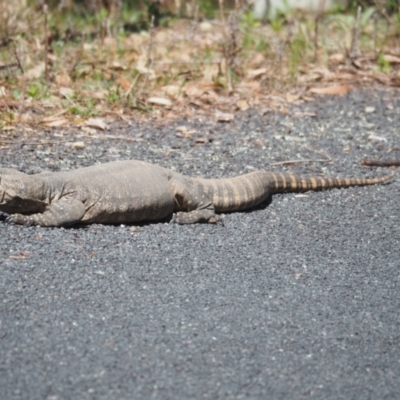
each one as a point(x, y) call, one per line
point(195, 69)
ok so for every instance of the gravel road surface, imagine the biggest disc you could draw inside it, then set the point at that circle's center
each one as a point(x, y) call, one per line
point(298, 299)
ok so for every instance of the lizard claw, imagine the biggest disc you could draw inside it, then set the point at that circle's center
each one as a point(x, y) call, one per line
point(214, 219)
point(18, 219)
point(217, 219)
point(4, 216)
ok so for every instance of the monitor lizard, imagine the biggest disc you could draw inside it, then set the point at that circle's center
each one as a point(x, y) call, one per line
point(134, 191)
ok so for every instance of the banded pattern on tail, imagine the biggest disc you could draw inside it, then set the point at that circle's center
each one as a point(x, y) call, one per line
point(247, 191)
point(296, 183)
point(239, 193)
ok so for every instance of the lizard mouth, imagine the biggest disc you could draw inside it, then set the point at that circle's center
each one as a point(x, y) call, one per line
point(11, 204)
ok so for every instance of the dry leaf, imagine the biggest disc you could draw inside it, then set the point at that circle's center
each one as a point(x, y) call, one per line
point(323, 73)
point(98, 94)
point(194, 91)
point(35, 72)
point(258, 59)
point(96, 123)
point(346, 76)
point(255, 73)
point(253, 86)
point(224, 117)
point(117, 66)
point(205, 26)
point(8, 128)
point(110, 41)
point(88, 130)
point(299, 114)
point(63, 79)
point(66, 92)
point(185, 131)
point(359, 63)
point(375, 138)
point(54, 121)
point(78, 145)
point(243, 105)
point(21, 256)
point(124, 83)
point(392, 59)
point(337, 57)
point(151, 74)
point(291, 98)
point(160, 101)
point(334, 90)
point(172, 90)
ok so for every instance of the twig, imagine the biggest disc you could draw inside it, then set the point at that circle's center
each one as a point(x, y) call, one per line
point(79, 56)
point(33, 143)
point(128, 92)
point(382, 10)
point(231, 48)
point(354, 51)
point(23, 81)
point(8, 66)
point(59, 113)
point(221, 11)
point(296, 161)
point(195, 22)
point(149, 61)
point(374, 33)
point(110, 137)
point(104, 137)
point(320, 13)
point(46, 42)
point(322, 153)
point(381, 163)
point(119, 115)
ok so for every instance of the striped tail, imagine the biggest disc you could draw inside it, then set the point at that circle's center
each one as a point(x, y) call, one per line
point(247, 191)
point(296, 183)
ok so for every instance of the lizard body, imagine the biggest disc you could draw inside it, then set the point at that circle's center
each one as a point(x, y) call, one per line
point(134, 191)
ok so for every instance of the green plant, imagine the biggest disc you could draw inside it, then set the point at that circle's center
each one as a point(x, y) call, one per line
point(277, 23)
point(296, 53)
point(36, 91)
point(384, 65)
point(6, 117)
point(85, 111)
point(114, 96)
point(247, 20)
point(208, 9)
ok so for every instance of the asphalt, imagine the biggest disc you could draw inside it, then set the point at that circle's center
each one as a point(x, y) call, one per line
point(297, 299)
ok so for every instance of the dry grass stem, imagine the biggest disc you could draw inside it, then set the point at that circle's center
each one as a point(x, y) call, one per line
point(297, 161)
point(46, 42)
point(231, 49)
point(51, 67)
point(354, 50)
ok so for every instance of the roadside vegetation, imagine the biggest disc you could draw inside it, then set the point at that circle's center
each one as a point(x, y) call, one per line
point(66, 66)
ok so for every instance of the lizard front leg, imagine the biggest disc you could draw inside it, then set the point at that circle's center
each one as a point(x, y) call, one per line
point(63, 212)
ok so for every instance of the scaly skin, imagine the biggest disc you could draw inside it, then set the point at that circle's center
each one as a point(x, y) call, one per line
point(135, 191)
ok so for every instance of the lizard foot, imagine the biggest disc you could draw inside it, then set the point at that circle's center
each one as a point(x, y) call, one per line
point(193, 217)
point(19, 219)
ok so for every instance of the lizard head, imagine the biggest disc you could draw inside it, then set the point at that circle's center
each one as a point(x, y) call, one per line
point(16, 193)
